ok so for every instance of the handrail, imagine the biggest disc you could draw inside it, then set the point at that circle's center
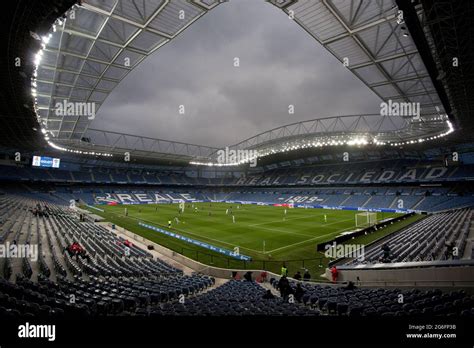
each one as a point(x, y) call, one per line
point(401, 265)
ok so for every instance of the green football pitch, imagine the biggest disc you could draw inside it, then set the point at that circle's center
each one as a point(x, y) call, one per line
point(265, 233)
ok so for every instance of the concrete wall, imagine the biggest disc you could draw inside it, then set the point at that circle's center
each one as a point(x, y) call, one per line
point(459, 276)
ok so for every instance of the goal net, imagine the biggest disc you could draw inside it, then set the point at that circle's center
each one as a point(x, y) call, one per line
point(365, 219)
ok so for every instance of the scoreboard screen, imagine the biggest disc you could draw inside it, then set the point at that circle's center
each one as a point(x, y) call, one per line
point(45, 162)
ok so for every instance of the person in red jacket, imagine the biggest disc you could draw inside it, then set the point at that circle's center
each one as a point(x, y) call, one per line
point(334, 274)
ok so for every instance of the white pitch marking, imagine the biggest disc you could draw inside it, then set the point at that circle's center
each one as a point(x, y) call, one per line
point(311, 239)
point(193, 234)
point(272, 222)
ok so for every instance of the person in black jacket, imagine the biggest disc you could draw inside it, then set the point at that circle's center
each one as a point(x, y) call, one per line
point(268, 295)
point(284, 286)
point(299, 292)
point(248, 276)
point(386, 252)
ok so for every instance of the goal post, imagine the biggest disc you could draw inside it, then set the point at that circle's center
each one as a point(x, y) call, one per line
point(365, 219)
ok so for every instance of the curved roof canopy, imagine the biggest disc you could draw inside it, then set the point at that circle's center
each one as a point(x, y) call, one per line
point(95, 45)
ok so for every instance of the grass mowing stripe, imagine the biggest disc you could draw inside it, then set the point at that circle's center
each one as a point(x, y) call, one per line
point(311, 240)
point(286, 232)
point(306, 235)
point(190, 233)
point(272, 222)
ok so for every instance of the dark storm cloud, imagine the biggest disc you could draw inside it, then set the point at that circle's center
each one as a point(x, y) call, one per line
point(280, 65)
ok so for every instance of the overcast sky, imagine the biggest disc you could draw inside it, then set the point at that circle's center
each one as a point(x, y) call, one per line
point(280, 64)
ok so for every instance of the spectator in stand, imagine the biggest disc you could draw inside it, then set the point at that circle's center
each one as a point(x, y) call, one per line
point(350, 286)
point(283, 286)
point(306, 275)
point(386, 252)
point(284, 271)
point(297, 276)
point(268, 295)
point(299, 292)
point(248, 276)
point(334, 274)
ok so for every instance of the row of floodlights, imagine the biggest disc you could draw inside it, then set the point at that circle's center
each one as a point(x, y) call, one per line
point(357, 141)
point(43, 124)
point(80, 152)
point(422, 140)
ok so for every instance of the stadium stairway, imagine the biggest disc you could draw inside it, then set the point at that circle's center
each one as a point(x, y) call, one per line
point(419, 203)
point(345, 200)
point(269, 286)
point(469, 249)
point(55, 261)
point(46, 250)
point(368, 201)
point(21, 228)
point(32, 238)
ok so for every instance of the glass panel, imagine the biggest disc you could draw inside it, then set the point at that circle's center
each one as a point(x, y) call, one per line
point(146, 41)
point(169, 21)
point(93, 68)
point(137, 10)
point(133, 58)
point(117, 31)
point(115, 73)
point(85, 21)
point(106, 5)
point(103, 51)
point(75, 44)
point(106, 85)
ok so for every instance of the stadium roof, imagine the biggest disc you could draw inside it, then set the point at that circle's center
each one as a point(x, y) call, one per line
point(19, 126)
point(97, 43)
point(95, 46)
point(449, 31)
